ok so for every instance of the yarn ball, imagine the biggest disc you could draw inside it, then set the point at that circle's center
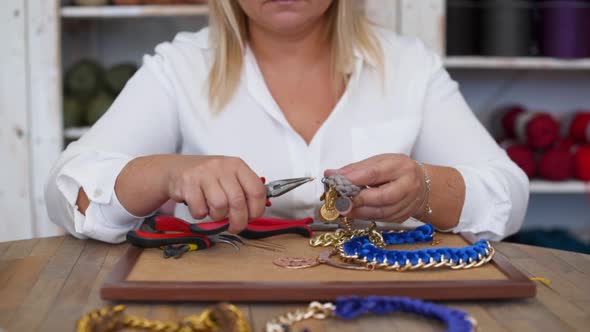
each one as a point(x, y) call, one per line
point(509, 120)
point(566, 143)
point(556, 164)
point(542, 130)
point(580, 127)
point(582, 163)
point(522, 156)
point(537, 129)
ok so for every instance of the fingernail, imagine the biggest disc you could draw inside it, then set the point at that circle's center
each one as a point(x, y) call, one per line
point(329, 172)
point(340, 171)
point(349, 173)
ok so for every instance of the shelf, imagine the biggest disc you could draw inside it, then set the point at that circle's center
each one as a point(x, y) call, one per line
point(75, 133)
point(480, 62)
point(565, 187)
point(107, 12)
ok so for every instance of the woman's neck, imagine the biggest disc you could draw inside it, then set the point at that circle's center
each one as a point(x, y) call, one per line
point(303, 47)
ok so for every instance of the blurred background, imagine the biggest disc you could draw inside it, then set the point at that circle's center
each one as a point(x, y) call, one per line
point(523, 67)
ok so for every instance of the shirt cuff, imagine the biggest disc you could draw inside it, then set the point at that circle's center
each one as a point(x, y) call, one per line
point(487, 206)
point(108, 223)
point(95, 172)
point(106, 219)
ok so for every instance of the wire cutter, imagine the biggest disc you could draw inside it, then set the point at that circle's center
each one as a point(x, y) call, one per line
point(186, 236)
point(256, 229)
point(173, 232)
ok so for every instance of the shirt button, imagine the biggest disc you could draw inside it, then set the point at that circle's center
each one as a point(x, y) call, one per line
point(97, 193)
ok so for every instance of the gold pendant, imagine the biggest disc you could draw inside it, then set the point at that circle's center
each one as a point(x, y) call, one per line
point(328, 210)
point(328, 214)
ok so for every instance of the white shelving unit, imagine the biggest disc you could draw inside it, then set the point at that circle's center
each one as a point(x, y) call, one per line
point(479, 62)
point(565, 187)
point(109, 12)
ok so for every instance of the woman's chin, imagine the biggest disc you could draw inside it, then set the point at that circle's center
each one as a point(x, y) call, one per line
point(287, 23)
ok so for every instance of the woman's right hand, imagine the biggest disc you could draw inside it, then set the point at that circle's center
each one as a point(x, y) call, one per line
point(218, 187)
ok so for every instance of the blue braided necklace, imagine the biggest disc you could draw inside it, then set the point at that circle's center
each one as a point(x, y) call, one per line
point(360, 250)
point(347, 308)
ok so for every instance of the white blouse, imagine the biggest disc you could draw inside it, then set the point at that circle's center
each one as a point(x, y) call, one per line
point(414, 109)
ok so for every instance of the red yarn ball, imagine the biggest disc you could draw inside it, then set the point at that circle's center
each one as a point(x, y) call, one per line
point(579, 127)
point(509, 120)
point(542, 131)
point(523, 156)
point(556, 164)
point(565, 143)
point(582, 163)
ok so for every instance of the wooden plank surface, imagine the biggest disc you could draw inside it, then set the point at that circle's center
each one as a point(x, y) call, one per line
point(45, 285)
point(43, 294)
point(19, 249)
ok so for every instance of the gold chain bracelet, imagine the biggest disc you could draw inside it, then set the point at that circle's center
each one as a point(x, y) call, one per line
point(220, 318)
point(315, 310)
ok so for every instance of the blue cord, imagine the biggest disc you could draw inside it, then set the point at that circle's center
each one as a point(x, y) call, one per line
point(363, 248)
point(348, 308)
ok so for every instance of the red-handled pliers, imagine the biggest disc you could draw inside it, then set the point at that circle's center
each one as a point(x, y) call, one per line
point(256, 229)
point(156, 240)
point(204, 234)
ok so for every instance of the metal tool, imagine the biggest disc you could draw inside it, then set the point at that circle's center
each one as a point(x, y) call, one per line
point(256, 229)
point(168, 230)
point(172, 234)
point(254, 243)
point(280, 187)
point(204, 235)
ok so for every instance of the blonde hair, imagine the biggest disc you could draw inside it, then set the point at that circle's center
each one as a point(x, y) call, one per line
point(348, 30)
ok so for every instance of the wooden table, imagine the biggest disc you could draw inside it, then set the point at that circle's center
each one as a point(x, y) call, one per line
point(46, 284)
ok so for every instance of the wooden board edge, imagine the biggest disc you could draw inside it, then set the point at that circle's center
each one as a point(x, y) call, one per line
point(503, 263)
point(117, 288)
point(300, 292)
point(117, 279)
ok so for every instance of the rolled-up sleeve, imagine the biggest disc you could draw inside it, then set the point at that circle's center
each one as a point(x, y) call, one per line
point(497, 190)
point(142, 121)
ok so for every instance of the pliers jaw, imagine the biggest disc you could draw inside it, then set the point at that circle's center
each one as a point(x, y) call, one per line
point(281, 187)
point(220, 238)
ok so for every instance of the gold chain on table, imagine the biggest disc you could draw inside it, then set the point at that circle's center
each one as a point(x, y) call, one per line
point(315, 310)
point(222, 318)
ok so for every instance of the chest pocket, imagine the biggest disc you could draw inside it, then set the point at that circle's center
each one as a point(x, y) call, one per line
point(397, 136)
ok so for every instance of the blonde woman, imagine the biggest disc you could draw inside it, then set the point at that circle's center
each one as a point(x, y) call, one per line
point(287, 88)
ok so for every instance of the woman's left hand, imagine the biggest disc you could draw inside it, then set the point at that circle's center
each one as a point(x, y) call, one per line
point(397, 187)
